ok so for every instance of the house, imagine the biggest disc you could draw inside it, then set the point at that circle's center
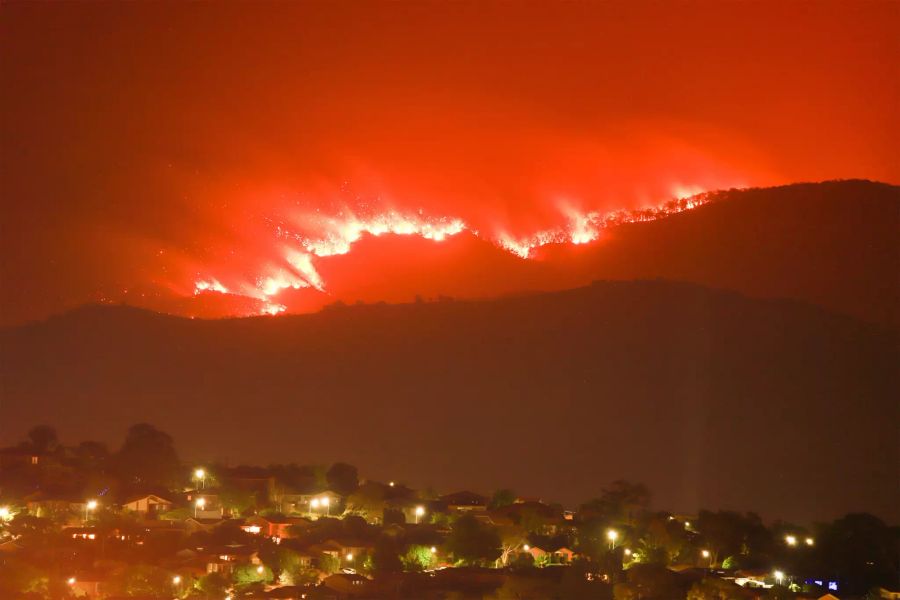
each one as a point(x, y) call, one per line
point(561, 555)
point(317, 504)
point(465, 501)
point(887, 594)
point(193, 525)
point(13, 457)
point(343, 549)
point(64, 508)
point(149, 505)
point(205, 504)
point(224, 559)
point(274, 527)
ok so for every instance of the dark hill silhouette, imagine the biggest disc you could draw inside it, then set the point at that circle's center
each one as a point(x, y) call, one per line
point(835, 244)
point(711, 398)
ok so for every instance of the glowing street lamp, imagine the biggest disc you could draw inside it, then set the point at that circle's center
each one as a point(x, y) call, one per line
point(326, 502)
point(176, 580)
point(260, 570)
point(4, 513)
point(349, 557)
point(526, 547)
point(200, 476)
point(420, 510)
point(70, 581)
point(779, 576)
point(89, 506)
point(627, 551)
point(434, 550)
point(199, 503)
point(391, 484)
point(612, 535)
point(790, 540)
point(810, 541)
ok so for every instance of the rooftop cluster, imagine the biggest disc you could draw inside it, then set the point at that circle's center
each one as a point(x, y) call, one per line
point(81, 521)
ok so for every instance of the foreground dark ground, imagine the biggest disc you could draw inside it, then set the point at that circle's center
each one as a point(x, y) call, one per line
point(83, 521)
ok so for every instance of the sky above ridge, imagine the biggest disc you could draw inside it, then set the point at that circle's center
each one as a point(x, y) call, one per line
point(236, 159)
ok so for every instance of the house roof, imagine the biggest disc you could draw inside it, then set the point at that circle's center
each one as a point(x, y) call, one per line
point(143, 496)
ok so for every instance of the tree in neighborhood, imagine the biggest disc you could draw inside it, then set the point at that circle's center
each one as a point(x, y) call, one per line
point(502, 497)
point(368, 501)
point(140, 580)
point(648, 582)
point(473, 543)
point(42, 439)
point(714, 588)
point(148, 457)
point(212, 585)
point(418, 558)
point(342, 478)
point(386, 557)
point(251, 577)
point(621, 502)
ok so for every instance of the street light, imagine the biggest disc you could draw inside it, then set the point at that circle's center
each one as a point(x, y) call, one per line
point(791, 540)
point(779, 576)
point(200, 476)
point(349, 557)
point(326, 502)
point(199, 503)
point(260, 569)
point(810, 541)
point(4, 513)
point(434, 550)
point(612, 535)
point(420, 510)
point(176, 580)
point(89, 506)
point(627, 551)
point(526, 547)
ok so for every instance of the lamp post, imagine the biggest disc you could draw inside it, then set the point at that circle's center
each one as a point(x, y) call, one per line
point(313, 505)
point(199, 503)
point(810, 541)
point(707, 555)
point(420, 510)
point(612, 535)
point(326, 502)
point(89, 506)
point(790, 540)
point(200, 476)
point(779, 577)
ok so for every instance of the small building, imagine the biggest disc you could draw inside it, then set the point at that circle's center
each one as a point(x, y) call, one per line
point(149, 506)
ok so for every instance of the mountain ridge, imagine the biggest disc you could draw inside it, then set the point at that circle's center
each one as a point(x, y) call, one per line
point(648, 380)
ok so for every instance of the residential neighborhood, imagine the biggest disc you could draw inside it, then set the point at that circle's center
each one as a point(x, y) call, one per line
point(81, 521)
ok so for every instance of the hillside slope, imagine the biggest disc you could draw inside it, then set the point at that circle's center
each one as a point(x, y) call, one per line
point(710, 398)
point(834, 244)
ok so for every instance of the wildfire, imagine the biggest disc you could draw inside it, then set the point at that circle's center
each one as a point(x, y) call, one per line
point(335, 235)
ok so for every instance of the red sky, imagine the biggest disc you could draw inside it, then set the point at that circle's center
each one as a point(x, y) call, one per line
point(147, 147)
